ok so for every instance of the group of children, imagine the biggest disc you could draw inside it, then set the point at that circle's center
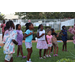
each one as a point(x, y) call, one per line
point(46, 42)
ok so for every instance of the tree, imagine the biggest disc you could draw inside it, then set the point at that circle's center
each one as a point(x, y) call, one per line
point(45, 15)
point(1, 17)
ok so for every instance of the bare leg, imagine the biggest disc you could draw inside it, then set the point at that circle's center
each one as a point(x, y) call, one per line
point(29, 53)
point(54, 50)
point(21, 50)
point(11, 59)
point(18, 51)
point(40, 52)
point(49, 50)
point(63, 46)
point(57, 51)
point(44, 52)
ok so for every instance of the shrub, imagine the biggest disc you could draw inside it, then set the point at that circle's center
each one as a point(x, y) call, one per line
point(70, 36)
point(65, 60)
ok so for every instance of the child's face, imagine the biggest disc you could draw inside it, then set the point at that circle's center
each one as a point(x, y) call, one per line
point(13, 26)
point(31, 27)
point(53, 31)
point(19, 27)
point(41, 27)
point(49, 33)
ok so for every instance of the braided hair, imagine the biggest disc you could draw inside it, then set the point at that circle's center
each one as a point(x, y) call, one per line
point(27, 25)
point(17, 26)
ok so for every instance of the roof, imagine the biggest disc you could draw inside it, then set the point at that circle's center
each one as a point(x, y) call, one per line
point(11, 16)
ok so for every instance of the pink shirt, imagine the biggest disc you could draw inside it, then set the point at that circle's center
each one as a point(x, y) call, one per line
point(49, 39)
point(3, 27)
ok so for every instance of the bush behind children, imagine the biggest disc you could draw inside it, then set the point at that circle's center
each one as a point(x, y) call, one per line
point(46, 42)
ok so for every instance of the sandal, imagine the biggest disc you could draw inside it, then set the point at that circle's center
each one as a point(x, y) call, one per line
point(44, 57)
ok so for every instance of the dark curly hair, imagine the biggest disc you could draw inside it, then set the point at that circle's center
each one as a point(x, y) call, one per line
point(9, 24)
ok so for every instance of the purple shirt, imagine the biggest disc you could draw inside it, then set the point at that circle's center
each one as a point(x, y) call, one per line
point(19, 37)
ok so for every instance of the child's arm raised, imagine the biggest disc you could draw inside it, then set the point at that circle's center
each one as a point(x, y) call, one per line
point(25, 35)
point(15, 42)
point(40, 36)
point(62, 33)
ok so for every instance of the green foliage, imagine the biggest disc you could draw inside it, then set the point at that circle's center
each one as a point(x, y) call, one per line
point(70, 36)
point(65, 60)
point(45, 15)
point(1, 17)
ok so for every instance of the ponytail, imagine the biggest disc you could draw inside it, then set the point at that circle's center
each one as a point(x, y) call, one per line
point(27, 25)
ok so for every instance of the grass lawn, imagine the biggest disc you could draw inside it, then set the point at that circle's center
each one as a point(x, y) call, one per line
point(35, 54)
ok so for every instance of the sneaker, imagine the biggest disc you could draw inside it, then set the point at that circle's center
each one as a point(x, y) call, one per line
point(44, 57)
point(19, 56)
point(40, 58)
point(66, 50)
point(28, 61)
point(24, 57)
point(56, 54)
point(62, 50)
point(49, 56)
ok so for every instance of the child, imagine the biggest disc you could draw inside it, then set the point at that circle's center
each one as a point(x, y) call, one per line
point(49, 42)
point(41, 43)
point(54, 41)
point(28, 39)
point(9, 41)
point(2, 26)
point(19, 40)
point(64, 37)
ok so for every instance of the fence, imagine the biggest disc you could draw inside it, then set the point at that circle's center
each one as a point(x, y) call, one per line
point(54, 23)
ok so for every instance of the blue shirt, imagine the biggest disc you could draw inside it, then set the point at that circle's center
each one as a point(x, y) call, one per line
point(30, 37)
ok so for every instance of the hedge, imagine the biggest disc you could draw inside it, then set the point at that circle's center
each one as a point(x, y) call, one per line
point(70, 36)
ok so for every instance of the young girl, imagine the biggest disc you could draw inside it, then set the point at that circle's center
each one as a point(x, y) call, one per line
point(64, 37)
point(41, 43)
point(19, 40)
point(10, 37)
point(54, 41)
point(28, 39)
point(49, 42)
point(2, 26)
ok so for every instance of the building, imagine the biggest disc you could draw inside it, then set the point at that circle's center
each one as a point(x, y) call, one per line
point(11, 16)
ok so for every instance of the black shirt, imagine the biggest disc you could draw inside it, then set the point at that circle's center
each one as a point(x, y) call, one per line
point(55, 34)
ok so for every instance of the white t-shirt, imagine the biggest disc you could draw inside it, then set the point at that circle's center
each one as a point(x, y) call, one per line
point(40, 33)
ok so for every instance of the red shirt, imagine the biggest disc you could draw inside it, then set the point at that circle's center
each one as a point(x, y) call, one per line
point(3, 27)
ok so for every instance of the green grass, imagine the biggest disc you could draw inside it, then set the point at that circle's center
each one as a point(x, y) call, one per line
point(35, 54)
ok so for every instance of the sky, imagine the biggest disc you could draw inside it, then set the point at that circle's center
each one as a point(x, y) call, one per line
point(5, 13)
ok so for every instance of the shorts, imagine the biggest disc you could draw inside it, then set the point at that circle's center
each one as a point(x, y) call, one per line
point(28, 44)
point(49, 45)
point(8, 57)
point(55, 44)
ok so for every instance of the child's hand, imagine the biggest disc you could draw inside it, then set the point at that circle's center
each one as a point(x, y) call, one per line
point(15, 42)
point(43, 34)
point(70, 27)
point(30, 33)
